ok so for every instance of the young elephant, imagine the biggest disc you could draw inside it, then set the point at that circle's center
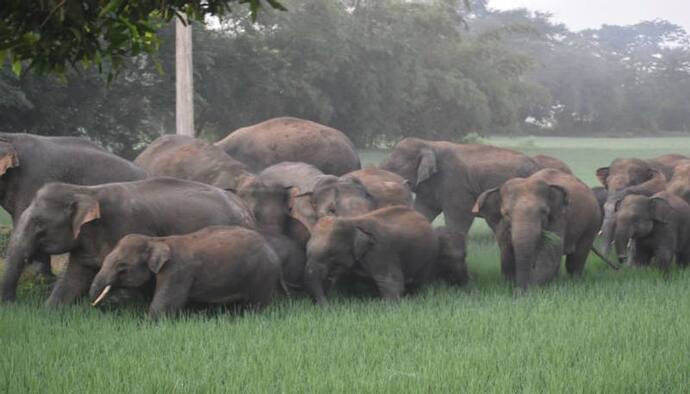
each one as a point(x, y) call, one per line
point(87, 222)
point(359, 192)
point(539, 219)
point(216, 265)
point(395, 247)
point(656, 227)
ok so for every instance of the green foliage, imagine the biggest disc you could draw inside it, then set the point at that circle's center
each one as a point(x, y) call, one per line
point(54, 34)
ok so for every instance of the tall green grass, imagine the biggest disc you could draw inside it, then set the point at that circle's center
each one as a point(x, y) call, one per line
point(625, 331)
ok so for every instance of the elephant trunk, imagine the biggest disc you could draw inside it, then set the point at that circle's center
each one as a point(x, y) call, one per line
point(101, 285)
point(19, 250)
point(608, 228)
point(526, 239)
point(313, 279)
point(622, 242)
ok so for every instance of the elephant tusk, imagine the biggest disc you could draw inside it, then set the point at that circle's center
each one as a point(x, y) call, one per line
point(101, 296)
point(600, 233)
point(629, 243)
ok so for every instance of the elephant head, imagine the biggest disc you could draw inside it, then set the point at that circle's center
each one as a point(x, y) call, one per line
point(621, 178)
point(413, 159)
point(268, 203)
point(334, 248)
point(530, 216)
point(636, 217)
point(680, 181)
point(51, 225)
point(333, 196)
point(132, 263)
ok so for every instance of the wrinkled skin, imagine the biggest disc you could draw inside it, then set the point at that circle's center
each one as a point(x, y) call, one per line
point(216, 265)
point(448, 177)
point(291, 139)
point(185, 157)
point(451, 265)
point(394, 247)
point(632, 176)
point(359, 192)
point(28, 162)
point(88, 221)
point(679, 184)
point(546, 161)
point(656, 227)
point(539, 219)
point(280, 199)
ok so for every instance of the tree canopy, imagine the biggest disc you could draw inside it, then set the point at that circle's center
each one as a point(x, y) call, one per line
point(50, 35)
point(380, 70)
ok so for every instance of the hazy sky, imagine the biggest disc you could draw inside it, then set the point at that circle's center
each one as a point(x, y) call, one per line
point(582, 14)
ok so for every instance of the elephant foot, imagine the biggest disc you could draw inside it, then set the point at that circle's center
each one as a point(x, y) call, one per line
point(519, 292)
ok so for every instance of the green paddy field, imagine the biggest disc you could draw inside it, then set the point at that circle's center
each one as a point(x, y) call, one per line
point(611, 332)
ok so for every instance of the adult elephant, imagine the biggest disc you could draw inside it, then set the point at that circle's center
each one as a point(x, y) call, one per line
point(539, 219)
point(547, 161)
point(679, 184)
point(88, 221)
point(291, 139)
point(359, 192)
point(448, 177)
point(190, 158)
point(27, 162)
point(632, 176)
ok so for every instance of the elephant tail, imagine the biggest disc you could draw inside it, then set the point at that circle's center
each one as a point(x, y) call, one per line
point(611, 264)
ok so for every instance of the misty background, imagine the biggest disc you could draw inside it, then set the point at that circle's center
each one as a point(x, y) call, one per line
point(381, 70)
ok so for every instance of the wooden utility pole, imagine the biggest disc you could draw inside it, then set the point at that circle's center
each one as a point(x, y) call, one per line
point(184, 79)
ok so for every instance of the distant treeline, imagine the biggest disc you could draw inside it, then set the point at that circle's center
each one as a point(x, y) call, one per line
point(380, 70)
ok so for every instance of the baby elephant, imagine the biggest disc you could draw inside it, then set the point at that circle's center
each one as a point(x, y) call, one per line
point(654, 227)
point(395, 247)
point(218, 265)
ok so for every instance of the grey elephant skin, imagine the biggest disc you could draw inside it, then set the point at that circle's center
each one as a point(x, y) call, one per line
point(28, 162)
point(654, 228)
point(359, 192)
point(679, 184)
point(546, 161)
point(215, 265)
point(88, 221)
point(632, 176)
point(190, 158)
point(395, 247)
point(539, 219)
point(292, 139)
point(448, 177)
point(451, 264)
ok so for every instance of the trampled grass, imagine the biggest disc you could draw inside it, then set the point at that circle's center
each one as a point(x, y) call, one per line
point(610, 331)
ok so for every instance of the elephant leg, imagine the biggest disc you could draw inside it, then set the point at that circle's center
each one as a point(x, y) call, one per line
point(682, 259)
point(641, 254)
point(387, 275)
point(168, 299)
point(575, 262)
point(664, 258)
point(45, 269)
point(74, 282)
point(507, 254)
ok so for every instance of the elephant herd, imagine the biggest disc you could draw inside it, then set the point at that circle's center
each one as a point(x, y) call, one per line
point(284, 206)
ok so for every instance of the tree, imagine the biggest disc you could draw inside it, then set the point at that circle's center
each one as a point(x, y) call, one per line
point(51, 35)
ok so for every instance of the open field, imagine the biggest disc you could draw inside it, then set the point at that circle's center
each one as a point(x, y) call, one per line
point(611, 331)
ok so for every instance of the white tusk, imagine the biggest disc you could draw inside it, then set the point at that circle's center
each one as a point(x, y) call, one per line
point(101, 296)
point(600, 232)
point(629, 243)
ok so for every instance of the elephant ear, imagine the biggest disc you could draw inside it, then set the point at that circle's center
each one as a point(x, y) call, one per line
point(300, 207)
point(362, 242)
point(159, 254)
point(602, 175)
point(661, 210)
point(8, 157)
point(427, 165)
point(488, 205)
point(85, 209)
point(558, 201)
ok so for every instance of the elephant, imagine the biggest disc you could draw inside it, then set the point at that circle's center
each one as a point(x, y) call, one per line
point(632, 176)
point(359, 192)
point(292, 259)
point(451, 265)
point(88, 221)
point(679, 184)
point(539, 219)
point(395, 247)
point(601, 195)
point(448, 177)
point(546, 161)
point(185, 157)
point(279, 197)
point(292, 139)
point(28, 162)
point(215, 265)
point(656, 227)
